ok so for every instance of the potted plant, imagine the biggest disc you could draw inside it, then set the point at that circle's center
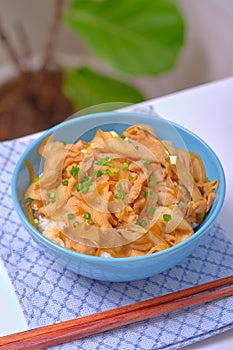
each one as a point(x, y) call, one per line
point(128, 38)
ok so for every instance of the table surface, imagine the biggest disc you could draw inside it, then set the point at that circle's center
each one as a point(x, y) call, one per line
point(207, 111)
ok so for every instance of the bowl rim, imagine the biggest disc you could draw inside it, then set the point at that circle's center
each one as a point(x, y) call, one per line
point(65, 251)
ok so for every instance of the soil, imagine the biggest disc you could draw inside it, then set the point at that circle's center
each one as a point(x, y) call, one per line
point(32, 103)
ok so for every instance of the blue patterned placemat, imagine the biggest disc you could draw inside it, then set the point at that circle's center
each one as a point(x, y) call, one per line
point(49, 293)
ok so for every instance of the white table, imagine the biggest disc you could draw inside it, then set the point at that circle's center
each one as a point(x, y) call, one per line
point(206, 110)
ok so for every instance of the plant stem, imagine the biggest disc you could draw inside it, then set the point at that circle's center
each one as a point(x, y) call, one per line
point(10, 48)
point(53, 34)
point(23, 40)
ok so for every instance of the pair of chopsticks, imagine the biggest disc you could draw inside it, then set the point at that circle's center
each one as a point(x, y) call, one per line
point(59, 333)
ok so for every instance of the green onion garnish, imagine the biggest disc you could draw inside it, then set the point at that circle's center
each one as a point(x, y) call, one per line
point(152, 181)
point(36, 179)
point(118, 187)
point(107, 172)
point(116, 172)
point(65, 183)
point(79, 187)
point(151, 210)
point(167, 217)
point(170, 206)
point(122, 136)
point(52, 197)
point(75, 224)
point(90, 222)
point(98, 173)
point(104, 161)
point(131, 177)
point(85, 177)
point(148, 193)
point(85, 189)
point(87, 215)
point(113, 134)
point(74, 171)
point(143, 222)
point(118, 195)
point(145, 161)
point(70, 216)
point(36, 222)
point(125, 166)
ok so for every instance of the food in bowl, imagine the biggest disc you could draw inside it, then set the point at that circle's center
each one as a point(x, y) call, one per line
point(119, 195)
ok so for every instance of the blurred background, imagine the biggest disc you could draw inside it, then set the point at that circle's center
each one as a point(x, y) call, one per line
point(206, 54)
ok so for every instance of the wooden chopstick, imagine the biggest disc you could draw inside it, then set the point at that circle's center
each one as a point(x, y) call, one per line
point(66, 331)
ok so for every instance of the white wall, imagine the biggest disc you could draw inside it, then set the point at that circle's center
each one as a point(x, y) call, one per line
point(207, 55)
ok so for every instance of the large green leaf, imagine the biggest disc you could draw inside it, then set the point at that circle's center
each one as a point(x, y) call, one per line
point(134, 36)
point(85, 88)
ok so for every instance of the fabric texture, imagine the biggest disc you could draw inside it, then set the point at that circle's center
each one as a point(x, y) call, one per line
point(49, 293)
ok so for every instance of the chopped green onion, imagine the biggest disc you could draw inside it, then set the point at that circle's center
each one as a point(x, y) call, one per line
point(118, 195)
point(118, 187)
point(36, 179)
point(107, 172)
point(92, 189)
point(152, 181)
point(104, 161)
point(131, 177)
point(74, 171)
point(170, 207)
point(143, 222)
point(145, 161)
point(191, 202)
point(70, 216)
point(125, 166)
point(36, 222)
point(75, 224)
point(113, 134)
point(52, 197)
point(98, 173)
point(148, 193)
point(116, 172)
point(65, 183)
point(87, 215)
point(64, 142)
point(79, 187)
point(167, 217)
point(90, 222)
point(85, 177)
point(122, 136)
point(85, 189)
point(151, 210)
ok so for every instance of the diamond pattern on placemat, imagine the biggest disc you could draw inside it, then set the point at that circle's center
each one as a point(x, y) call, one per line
point(49, 293)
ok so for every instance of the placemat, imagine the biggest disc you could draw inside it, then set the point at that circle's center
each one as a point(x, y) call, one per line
point(49, 293)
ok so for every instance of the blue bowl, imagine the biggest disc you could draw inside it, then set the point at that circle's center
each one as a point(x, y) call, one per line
point(119, 269)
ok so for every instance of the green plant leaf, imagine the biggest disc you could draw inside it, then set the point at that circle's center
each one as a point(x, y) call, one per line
point(85, 88)
point(133, 36)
